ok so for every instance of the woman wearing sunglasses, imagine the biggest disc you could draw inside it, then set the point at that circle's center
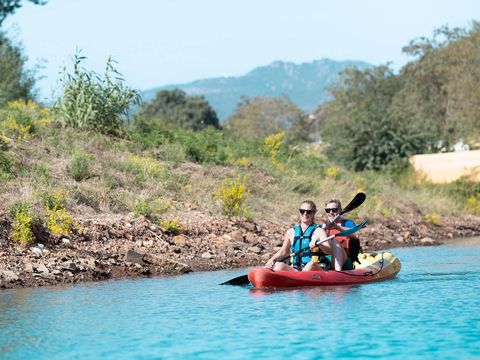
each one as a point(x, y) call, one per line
point(336, 223)
point(305, 236)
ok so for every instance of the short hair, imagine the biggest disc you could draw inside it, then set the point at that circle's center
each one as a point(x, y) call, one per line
point(311, 203)
point(336, 201)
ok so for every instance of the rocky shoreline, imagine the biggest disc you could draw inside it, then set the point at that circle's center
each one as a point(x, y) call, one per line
point(114, 247)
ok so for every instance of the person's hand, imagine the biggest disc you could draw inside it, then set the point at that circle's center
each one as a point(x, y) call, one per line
point(313, 243)
point(270, 264)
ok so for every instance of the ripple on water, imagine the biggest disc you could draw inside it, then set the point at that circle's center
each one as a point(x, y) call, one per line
point(429, 311)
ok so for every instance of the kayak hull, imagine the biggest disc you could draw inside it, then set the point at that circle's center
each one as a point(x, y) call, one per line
point(373, 267)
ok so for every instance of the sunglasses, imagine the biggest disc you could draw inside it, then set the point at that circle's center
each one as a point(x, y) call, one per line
point(304, 211)
point(331, 210)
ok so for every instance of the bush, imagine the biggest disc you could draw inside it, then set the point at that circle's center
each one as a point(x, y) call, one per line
point(21, 119)
point(232, 196)
point(80, 166)
point(93, 103)
point(22, 223)
point(173, 226)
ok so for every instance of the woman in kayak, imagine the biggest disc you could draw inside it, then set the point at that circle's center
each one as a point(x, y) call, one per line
point(334, 224)
point(307, 235)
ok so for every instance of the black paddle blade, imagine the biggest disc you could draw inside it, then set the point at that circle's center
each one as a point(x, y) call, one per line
point(239, 280)
point(356, 202)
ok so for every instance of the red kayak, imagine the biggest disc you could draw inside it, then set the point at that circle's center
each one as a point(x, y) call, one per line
point(372, 267)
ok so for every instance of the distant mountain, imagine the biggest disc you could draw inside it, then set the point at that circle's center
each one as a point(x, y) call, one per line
point(305, 84)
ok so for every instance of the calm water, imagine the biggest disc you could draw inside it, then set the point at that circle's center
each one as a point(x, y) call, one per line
point(432, 310)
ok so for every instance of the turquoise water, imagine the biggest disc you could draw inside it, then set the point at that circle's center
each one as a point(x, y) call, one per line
point(431, 310)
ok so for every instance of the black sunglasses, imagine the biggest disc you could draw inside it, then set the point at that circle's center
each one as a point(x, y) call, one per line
point(331, 210)
point(304, 211)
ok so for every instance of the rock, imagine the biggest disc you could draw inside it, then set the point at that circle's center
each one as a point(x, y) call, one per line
point(147, 243)
point(29, 267)
point(165, 262)
point(251, 238)
point(237, 236)
point(36, 251)
point(9, 276)
point(255, 249)
point(207, 255)
point(179, 240)
point(249, 226)
point(427, 241)
point(400, 239)
point(41, 268)
point(66, 242)
point(134, 257)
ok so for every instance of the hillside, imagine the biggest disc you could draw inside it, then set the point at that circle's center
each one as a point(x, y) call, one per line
point(306, 84)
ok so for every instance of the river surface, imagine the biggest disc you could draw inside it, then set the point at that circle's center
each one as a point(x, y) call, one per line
point(430, 311)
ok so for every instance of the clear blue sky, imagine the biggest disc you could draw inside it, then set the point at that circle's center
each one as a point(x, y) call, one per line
point(159, 42)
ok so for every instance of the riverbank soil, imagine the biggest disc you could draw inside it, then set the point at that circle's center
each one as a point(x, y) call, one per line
point(114, 246)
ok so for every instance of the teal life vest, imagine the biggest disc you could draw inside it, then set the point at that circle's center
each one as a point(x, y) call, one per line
point(301, 240)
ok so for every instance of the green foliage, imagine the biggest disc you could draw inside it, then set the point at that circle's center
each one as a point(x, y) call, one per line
point(22, 223)
point(173, 226)
point(80, 164)
point(15, 81)
point(22, 119)
point(177, 108)
point(360, 130)
point(208, 146)
point(60, 220)
point(54, 200)
point(91, 102)
point(432, 218)
point(378, 119)
point(264, 116)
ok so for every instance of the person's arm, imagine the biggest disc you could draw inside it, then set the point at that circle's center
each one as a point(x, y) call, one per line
point(331, 246)
point(284, 250)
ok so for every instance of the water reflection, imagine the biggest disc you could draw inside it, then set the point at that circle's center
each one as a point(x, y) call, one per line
point(336, 293)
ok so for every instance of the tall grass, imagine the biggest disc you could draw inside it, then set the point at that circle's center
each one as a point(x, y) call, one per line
point(90, 102)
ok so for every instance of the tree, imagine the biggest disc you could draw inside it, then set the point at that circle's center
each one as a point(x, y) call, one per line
point(263, 116)
point(179, 109)
point(8, 7)
point(15, 81)
point(359, 128)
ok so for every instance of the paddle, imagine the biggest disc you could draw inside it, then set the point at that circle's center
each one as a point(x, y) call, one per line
point(352, 205)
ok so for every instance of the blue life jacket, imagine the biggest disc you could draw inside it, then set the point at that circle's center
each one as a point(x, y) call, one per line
point(301, 240)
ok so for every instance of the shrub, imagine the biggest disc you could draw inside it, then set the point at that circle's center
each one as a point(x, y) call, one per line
point(93, 103)
point(233, 195)
point(22, 223)
point(60, 221)
point(80, 165)
point(432, 218)
point(273, 143)
point(173, 226)
point(142, 207)
point(21, 119)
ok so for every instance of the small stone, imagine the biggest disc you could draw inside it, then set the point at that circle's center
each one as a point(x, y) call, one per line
point(41, 268)
point(207, 255)
point(36, 250)
point(9, 276)
point(237, 236)
point(179, 240)
point(29, 267)
point(427, 241)
point(66, 242)
point(255, 249)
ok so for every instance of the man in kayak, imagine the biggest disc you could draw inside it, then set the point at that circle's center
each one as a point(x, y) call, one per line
point(309, 236)
point(336, 223)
